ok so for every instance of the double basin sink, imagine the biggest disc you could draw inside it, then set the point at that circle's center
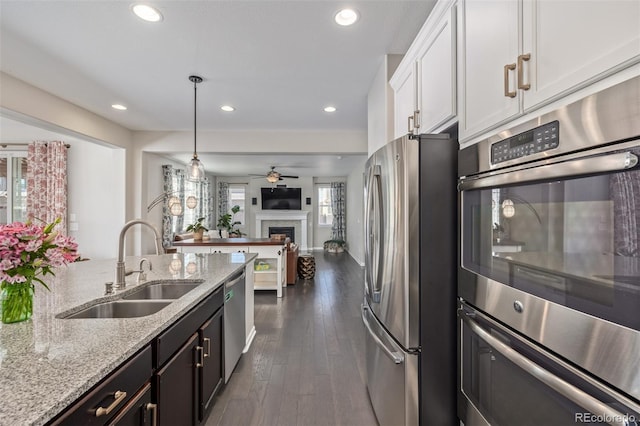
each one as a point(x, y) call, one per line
point(140, 302)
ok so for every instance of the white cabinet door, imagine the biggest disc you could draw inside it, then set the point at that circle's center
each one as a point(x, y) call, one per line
point(574, 43)
point(404, 100)
point(437, 75)
point(489, 42)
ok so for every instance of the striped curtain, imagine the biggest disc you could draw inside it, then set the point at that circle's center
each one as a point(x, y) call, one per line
point(339, 210)
point(47, 183)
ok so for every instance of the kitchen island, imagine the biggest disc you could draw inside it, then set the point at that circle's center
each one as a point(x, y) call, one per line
point(48, 362)
point(270, 264)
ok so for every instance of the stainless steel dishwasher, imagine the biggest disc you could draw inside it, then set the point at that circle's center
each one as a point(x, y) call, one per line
point(234, 322)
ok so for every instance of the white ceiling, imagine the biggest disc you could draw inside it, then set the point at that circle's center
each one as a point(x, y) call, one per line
point(278, 62)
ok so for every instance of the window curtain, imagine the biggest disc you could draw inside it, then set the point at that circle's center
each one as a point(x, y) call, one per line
point(176, 185)
point(47, 183)
point(173, 182)
point(338, 207)
point(223, 198)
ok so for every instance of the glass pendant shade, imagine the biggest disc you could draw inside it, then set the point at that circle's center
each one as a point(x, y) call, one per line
point(175, 209)
point(195, 170)
point(192, 202)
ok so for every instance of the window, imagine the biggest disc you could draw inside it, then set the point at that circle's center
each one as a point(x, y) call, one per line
point(236, 198)
point(13, 187)
point(325, 214)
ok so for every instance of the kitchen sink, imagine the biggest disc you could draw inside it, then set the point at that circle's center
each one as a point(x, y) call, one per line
point(121, 309)
point(171, 290)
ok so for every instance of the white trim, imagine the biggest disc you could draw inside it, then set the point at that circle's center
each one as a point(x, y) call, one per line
point(250, 337)
point(300, 215)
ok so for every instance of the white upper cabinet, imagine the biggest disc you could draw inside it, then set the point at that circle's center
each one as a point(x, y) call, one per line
point(424, 84)
point(573, 43)
point(519, 55)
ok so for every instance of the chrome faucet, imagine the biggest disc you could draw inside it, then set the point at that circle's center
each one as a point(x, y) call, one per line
point(141, 275)
point(120, 271)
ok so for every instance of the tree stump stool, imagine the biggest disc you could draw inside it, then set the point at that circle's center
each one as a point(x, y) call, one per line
point(306, 266)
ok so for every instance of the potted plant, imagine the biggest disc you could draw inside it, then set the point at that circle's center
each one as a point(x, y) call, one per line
point(228, 225)
point(334, 245)
point(197, 228)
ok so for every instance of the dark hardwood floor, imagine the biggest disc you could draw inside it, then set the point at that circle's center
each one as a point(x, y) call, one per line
point(306, 364)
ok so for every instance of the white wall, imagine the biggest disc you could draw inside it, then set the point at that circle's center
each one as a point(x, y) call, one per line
point(380, 105)
point(355, 214)
point(96, 184)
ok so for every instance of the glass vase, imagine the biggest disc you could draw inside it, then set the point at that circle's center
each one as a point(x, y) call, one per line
point(17, 302)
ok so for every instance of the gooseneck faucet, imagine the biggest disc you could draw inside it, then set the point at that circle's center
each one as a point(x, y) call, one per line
point(120, 272)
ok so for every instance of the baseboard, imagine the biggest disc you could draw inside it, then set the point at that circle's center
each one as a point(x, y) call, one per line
point(250, 337)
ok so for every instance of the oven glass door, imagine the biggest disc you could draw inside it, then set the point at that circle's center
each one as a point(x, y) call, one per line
point(507, 382)
point(573, 240)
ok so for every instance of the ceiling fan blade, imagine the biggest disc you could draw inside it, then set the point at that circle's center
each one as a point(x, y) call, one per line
point(288, 176)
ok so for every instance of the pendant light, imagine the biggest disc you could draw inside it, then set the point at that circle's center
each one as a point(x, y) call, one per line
point(195, 171)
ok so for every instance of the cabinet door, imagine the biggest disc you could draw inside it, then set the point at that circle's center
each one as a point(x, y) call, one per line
point(176, 386)
point(573, 44)
point(489, 41)
point(404, 101)
point(211, 373)
point(437, 72)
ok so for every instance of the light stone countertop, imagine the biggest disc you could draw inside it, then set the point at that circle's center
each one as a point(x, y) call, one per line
point(46, 363)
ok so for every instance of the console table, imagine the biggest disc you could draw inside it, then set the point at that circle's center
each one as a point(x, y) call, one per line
point(269, 267)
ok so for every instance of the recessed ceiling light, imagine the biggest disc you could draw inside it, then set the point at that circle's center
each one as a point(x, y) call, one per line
point(346, 17)
point(119, 107)
point(329, 109)
point(147, 13)
point(227, 108)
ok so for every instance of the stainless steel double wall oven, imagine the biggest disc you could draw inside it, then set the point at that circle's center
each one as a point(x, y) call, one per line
point(549, 284)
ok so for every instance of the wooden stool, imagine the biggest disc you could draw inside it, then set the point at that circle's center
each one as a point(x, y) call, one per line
point(306, 266)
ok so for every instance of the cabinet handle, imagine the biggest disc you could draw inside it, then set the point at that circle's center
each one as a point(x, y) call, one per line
point(409, 127)
point(118, 396)
point(154, 413)
point(521, 59)
point(207, 341)
point(507, 68)
point(199, 356)
point(416, 119)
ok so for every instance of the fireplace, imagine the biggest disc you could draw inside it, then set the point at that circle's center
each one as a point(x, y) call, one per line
point(294, 218)
point(289, 231)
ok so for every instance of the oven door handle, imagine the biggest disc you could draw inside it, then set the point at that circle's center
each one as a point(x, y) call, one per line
point(585, 166)
point(566, 389)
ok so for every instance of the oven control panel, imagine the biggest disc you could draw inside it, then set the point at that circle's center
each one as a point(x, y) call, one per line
point(536, 140)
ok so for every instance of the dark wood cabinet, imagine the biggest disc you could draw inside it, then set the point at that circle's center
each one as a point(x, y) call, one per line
point(169, 382)
point(177, 386)
point(212, 371)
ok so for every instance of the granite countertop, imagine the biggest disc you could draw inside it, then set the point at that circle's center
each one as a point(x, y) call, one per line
point(46, 363)
point(230, 242)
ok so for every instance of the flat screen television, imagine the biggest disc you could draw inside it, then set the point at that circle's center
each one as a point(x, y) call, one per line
point(281, 198)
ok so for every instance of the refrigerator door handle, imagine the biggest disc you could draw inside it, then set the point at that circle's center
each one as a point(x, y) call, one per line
point(368, 236)
point(379, 213)
point(396, 357)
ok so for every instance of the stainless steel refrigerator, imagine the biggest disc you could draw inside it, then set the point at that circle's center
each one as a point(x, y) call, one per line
point(410, 280)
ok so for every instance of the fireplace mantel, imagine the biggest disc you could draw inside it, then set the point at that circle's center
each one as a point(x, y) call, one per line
point(292, 215)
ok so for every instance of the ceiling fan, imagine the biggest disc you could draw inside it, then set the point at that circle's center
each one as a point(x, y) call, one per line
point(274, 176)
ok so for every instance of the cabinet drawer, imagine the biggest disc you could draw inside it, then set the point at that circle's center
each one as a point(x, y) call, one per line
point(139, 411)
point(173, 338)
point(101, 404)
